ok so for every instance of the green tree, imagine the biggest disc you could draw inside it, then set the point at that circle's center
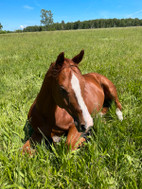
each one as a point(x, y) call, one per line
point(62, 25)
point(1, 26)
point(46, 17)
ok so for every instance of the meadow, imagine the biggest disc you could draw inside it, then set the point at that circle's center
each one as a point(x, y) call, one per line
point(112, 157)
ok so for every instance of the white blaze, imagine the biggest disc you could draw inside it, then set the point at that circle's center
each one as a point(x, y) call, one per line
point(76, 87)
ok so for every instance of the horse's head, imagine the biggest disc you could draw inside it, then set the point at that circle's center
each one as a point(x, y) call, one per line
point(68, 90)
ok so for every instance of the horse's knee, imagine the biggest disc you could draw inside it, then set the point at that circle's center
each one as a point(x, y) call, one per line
point(74, 139)
point(74, 145)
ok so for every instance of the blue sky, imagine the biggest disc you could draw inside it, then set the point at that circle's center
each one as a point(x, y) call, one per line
point(18, 13)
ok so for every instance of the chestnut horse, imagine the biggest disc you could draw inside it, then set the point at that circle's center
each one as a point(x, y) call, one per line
point(66, 101)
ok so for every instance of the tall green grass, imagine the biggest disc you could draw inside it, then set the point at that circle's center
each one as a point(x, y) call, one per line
point(112, 157)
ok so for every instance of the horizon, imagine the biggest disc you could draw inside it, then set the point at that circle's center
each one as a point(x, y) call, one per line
point(18, 15)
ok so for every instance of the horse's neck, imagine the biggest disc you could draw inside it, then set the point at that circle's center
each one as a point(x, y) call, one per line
point(44, 101)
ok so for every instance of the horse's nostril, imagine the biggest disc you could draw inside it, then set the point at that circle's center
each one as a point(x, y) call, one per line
point(83, 128)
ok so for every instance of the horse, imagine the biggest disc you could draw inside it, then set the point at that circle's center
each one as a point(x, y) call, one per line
point(66, 101)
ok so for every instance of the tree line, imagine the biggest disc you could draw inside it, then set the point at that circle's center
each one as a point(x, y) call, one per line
point(47, 24)
point(90, 24)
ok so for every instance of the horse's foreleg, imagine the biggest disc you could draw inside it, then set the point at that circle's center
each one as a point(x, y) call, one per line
point(74, 139)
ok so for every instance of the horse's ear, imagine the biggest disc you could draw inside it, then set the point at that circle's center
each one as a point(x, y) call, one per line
point(60, 59)
point(78, 58)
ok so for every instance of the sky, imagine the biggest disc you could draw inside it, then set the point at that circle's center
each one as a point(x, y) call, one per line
point(17, 14)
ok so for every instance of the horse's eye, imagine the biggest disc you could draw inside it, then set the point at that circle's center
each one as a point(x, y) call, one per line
point(63, 91)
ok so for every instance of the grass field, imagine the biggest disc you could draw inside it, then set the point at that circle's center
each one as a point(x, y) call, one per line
point(112, 158)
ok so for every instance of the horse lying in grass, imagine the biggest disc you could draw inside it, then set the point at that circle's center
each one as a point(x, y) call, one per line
point(66, 101)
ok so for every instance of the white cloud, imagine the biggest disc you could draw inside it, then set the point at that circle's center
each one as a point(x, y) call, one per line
point(28, 7)
point(22, 27)
point(135, 14)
